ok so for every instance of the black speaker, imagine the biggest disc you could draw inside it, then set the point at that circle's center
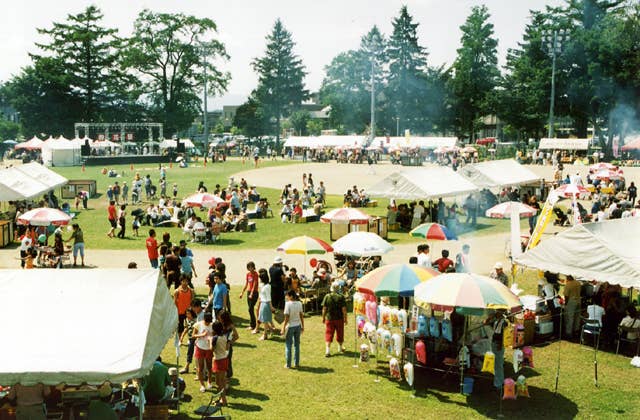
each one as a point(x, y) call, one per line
point(179, 146)
point(85, 149)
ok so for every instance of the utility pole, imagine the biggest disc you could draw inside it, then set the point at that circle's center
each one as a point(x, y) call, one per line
point(372, 134)
point(552, 40)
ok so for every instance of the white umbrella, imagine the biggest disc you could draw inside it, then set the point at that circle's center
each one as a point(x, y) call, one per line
point(346, 215)
point(202, 200)
point(44, 216)
point(361, 244)
point(506, 210)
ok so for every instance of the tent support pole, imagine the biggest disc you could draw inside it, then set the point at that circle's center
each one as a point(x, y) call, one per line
point(559, 345)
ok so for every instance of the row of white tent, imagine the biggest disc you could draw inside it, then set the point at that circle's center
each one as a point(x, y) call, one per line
point(356, 142)
point(28, 181)
point(430, 183)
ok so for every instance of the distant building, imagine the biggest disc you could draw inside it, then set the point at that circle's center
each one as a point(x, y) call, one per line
point(228, 115)
point(7, 112)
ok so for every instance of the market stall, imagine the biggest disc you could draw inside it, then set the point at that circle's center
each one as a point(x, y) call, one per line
point(423, 184)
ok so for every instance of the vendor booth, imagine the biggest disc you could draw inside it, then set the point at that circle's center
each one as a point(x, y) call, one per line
point(61, 153)
point(74, 186)
point(499, 173)
point(106, 326)
point(422, 184)
point(564, 144)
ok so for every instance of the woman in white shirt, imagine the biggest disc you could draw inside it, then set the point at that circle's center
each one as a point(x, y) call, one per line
point(631, 321)
point(203, 334)
point(293, 326)
point(265, 309)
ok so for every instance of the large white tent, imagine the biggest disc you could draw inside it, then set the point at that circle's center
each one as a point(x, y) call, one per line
point(603, 251)
point(499, 173)
point(82, 326)
point(165, 144)
point(564, 144)
point(415, 142)
point(61, 152)
point(28, 181)
point(422, 183)
point(325, 141)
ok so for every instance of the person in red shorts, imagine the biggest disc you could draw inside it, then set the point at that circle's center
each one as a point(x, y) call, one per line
point(203, 334)
point(334, 316)
point(220, 347)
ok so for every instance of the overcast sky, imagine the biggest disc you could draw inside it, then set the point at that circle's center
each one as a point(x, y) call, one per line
point(320, 28)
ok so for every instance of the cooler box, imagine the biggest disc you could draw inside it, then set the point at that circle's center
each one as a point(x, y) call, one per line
point(544, 328)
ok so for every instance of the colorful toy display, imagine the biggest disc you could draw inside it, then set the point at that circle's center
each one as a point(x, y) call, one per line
point(509, 389)
point(408, 373)
point(398, 344)
point(521, 387)
point(421, 352)
point(489, 362)
point(394, 368)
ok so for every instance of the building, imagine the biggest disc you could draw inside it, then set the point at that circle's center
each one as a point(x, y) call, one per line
point(228, 115)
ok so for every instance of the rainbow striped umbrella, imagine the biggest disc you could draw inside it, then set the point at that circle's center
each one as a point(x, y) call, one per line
point(470, 294)
point(394, 279)
point(305, 245)
point(433, 231)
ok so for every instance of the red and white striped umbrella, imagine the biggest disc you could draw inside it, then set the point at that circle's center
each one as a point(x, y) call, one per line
point(504, 210)
point(608, 174)
point(202, 200)
point(602, 165)
point(570, 190)
point(44, 216)
point(346, 215)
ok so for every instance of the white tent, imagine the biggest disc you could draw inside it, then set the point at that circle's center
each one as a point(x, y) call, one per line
point(58, 152)
point(422, 183)
point(499, 173)
point(325, 141)
point(14, 185)
point(604, 251)
point(415, 142)
point(43, 175)
point(165, 144)
point(83, 326)
point(564, 144)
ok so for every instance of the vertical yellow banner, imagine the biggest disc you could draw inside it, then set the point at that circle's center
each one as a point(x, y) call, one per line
point(543, 219)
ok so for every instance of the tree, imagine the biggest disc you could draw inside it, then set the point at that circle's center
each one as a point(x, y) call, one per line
point(406, 85)
point(168, 53)
point(249, 118)
point(475, 71)
point(347, 84)
point(280, 77)
point(88, 55)
point(299, 120)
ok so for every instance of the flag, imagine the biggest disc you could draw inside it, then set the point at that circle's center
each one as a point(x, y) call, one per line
point(543, 219)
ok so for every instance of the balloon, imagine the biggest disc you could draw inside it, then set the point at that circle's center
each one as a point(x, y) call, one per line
point(313, 262)
point(364, 353)
point(394, 318)
point(397, 344)
point(408, 373)
point(522, 388)
point(371, 311)
point(402, 319)
point(42, 238)
point(527, 359)
point(421, 352)
point(394, 368)
point(387, 343)
point(360, 323)
point(359, 304)
point(509, 389)
point(385, 315)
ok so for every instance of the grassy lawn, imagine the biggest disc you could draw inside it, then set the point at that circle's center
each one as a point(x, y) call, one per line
point(328, 388)
point(270, 232)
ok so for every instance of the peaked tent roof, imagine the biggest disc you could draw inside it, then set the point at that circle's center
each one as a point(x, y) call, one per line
point(499, 173)
point(45, 176)
point(89, 349)
point(31, 144)
point(604, 251)
point(27, 181)
point(422, 183)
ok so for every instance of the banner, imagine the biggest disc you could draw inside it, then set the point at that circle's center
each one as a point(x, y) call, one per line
point(543, 219)
point(101, 137)
point(115, 137)
point(129, 136)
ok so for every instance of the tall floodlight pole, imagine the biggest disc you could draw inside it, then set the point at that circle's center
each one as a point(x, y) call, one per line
point(372, 134)
point(552, 40)
point(205, 117)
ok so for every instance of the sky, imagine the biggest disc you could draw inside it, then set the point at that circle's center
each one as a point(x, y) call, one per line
point(321, 29)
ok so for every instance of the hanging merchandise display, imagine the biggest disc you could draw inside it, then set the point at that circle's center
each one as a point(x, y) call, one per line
point(421, 352)
point(398, 344)
point(360, 321)
point(371, 311)
point(359, 303)
point(387, 343)
point(422, 326)
point(447, 332)
point(507, 335)
point(364, 353)
point(394, 368)
point(434, 327)
point(509, 389)
point(517, 360)
point(402, 320)
point(394, 318)
point(408, 373)
point(527, 359)
point(489, 362)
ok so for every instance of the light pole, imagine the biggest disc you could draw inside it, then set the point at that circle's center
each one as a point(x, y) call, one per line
point(372, 134)
point(397, 126)
point(205, 118)
point(552, 40)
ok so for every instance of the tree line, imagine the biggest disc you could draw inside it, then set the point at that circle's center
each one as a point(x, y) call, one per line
point(87, 72)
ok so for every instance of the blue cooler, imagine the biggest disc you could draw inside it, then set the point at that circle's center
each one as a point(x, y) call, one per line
point(467, 386)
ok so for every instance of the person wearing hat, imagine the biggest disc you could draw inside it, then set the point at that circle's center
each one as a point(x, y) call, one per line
point(499, 274)
point(277, 278)
point(334, 316)
point(177, 383)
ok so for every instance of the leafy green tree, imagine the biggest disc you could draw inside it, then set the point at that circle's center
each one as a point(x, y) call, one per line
point(406, 85)
point(299, 120)
point(281, 74)
point(168, 52)
point(8, 129)
point(249, 119)
point(475, 71)
point(314, 127)
point(89, 57)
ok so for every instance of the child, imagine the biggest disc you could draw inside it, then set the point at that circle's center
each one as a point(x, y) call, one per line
point(135, 226)
point(30, 258)
point(190, 322)
point(220, 346)
point(182, 298)
point(175, 190)
point(202, 333)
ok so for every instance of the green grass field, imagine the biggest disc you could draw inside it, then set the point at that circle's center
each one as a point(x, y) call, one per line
point(329, 388)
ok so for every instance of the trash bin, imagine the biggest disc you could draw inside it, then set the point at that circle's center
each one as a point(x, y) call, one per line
point(467, 386)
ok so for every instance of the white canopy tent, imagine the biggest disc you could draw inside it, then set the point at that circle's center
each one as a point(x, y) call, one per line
point(109, 325)
point(15, 185)
point(499, 173)
point(564, 144)
point(415, 142)
point(325, 141)
point(604, 251)
point(165, 144)
point(61, 153)
point(45, 176)
point(422, 183)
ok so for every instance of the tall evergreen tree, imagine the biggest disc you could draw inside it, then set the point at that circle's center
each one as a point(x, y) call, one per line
point(406, 81)
point(89, 56)
point(280, 77)
point(168, 52)
point(475, 71)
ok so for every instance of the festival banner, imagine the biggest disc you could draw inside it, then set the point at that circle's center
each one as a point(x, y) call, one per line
point(543, 219)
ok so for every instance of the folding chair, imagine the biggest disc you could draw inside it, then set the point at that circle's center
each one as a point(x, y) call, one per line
point(623, 333)
point(200, 235)
point(591, 327)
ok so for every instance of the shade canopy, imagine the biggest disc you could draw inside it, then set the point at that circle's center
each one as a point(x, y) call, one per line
point(466, 292)
point(506, 210)
point(361, 244)
point(28, 181)
point(571, 190)
point(499, 173)
point(165, 144)
point(604, 251)
point(346, 215)
point(202, 200)
point(83, 326)
point(314, 142)
point(394, 279)
point(564, 144)
point(433, 231)
point(44, 216)
point(633, 143)
point(422, 183)
point(305, 245)
point(32, 144)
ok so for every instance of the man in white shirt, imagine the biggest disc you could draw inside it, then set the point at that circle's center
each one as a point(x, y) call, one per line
point(418, 211)
point(424, 259)
point(595, 312)
point(25, 244)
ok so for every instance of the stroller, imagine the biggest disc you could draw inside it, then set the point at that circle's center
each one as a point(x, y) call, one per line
point(561, 217)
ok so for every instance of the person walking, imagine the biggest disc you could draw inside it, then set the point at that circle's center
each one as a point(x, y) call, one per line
point(334, 316)
point(112, 216)
point(277, 276)
point(122, 221)
point(265, 309)
point(251, 287)
point(203, 335)
point(78, 243)
point(292, 327)
point(152, 248)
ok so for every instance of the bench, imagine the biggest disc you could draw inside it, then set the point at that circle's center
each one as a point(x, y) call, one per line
point(372, 203)
point(309, 215)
